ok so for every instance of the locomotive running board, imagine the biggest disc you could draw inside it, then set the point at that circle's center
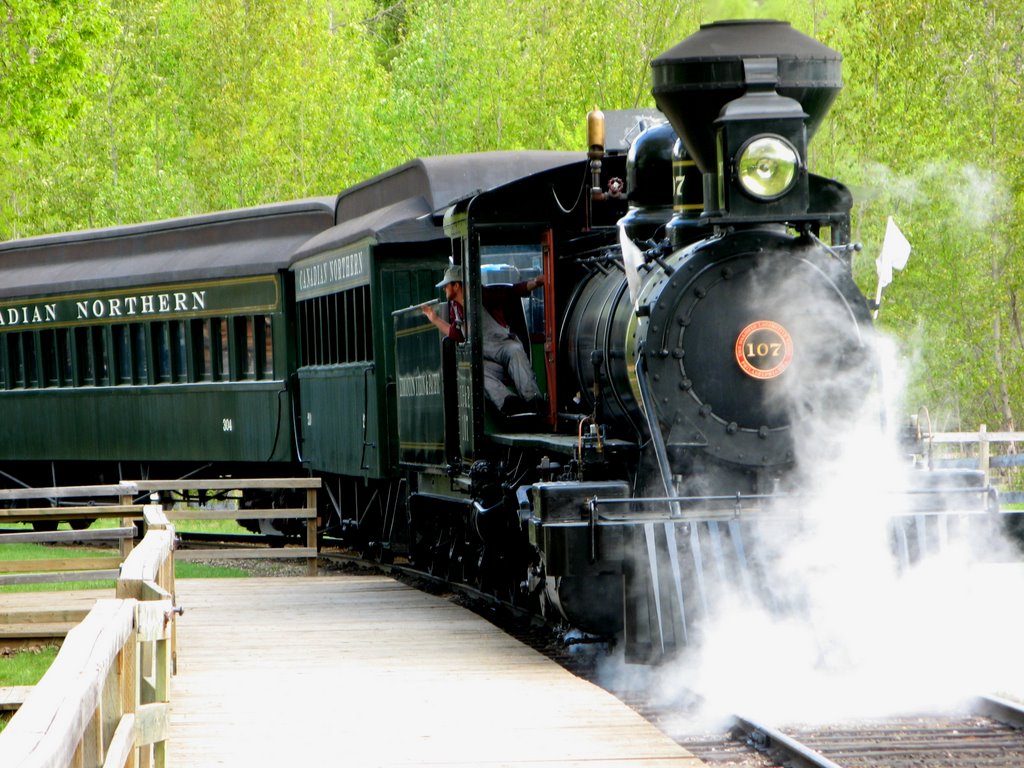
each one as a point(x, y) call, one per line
point(561, 444)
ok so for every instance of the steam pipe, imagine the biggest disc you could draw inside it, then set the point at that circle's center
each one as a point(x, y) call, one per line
point(657, 440)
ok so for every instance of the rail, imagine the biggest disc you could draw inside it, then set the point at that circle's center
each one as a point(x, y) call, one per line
point(105, 700)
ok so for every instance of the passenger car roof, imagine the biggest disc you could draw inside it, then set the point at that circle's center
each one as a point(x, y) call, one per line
point(399, 205)
point(230, 243)
point(394, 206)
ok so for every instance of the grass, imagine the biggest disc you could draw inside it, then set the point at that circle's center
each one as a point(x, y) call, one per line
point(182, 570)
point(22, 552)
point(26, 667)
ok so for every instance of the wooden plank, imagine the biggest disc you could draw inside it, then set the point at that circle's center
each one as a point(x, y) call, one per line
point(69, 492)
point(152, 722)
point(58, 578)
point(70, 513)
point(241, 514)
point(311, 533)
point(30, 615)
point(152, 619)
point(70, 605)
point(56, 537)
point(243, 554)
point(13, 696)
point(59, 564)
point(975, 437)
point(454, 687)
point(57, 712)
point(122, 744)
point(145, 560)
point(36, 630)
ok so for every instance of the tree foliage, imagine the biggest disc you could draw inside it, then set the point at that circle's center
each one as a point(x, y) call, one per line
point(118, 111)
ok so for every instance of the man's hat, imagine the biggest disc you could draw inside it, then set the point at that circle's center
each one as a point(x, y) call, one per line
point(451, 275)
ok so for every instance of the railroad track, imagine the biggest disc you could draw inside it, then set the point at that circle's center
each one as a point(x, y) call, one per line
point(989, 736)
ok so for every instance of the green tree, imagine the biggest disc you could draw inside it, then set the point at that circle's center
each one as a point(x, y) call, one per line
point(45, 81)
point(143, 109)
point(925, 131)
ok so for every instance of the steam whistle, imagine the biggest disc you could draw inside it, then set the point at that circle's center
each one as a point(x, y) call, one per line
point(595, 140)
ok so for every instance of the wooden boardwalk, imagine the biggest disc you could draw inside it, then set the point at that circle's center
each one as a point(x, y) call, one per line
point(363, 671)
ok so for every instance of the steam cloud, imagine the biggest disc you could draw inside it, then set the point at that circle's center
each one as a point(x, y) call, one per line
point(862, 636)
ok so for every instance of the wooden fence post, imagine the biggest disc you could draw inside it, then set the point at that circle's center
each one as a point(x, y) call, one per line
point(128, 543)
point(984, 452)
point(311, 526)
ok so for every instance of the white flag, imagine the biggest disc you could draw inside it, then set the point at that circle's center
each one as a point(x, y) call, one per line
point(632, 260)
point(894, 255)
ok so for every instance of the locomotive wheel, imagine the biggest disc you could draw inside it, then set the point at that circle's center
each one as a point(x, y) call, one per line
point(81, 525)
point(44, 526)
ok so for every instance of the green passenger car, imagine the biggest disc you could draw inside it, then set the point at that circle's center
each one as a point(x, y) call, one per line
point(151, 349)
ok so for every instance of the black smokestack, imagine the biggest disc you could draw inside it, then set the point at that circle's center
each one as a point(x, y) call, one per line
point(695, 79)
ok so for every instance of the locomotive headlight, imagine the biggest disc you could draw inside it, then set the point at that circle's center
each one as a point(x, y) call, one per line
point(767, 167)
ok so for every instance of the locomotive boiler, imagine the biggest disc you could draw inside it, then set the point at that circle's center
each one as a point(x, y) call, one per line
point(721, 342)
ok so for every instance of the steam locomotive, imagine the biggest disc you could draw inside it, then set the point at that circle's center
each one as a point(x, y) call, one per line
point(697, 309)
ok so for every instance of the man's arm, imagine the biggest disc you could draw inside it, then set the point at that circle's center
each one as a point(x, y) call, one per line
point(447, 329)
point(528, 286)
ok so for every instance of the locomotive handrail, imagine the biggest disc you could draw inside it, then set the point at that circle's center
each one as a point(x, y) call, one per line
point(657, 439)
point(227, 484)
point(738, 499)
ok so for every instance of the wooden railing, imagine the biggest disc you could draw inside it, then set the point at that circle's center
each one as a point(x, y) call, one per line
point(126, 494)
point(104, 702)
point(308, 513)
point(980, 450)
point(39, 571)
